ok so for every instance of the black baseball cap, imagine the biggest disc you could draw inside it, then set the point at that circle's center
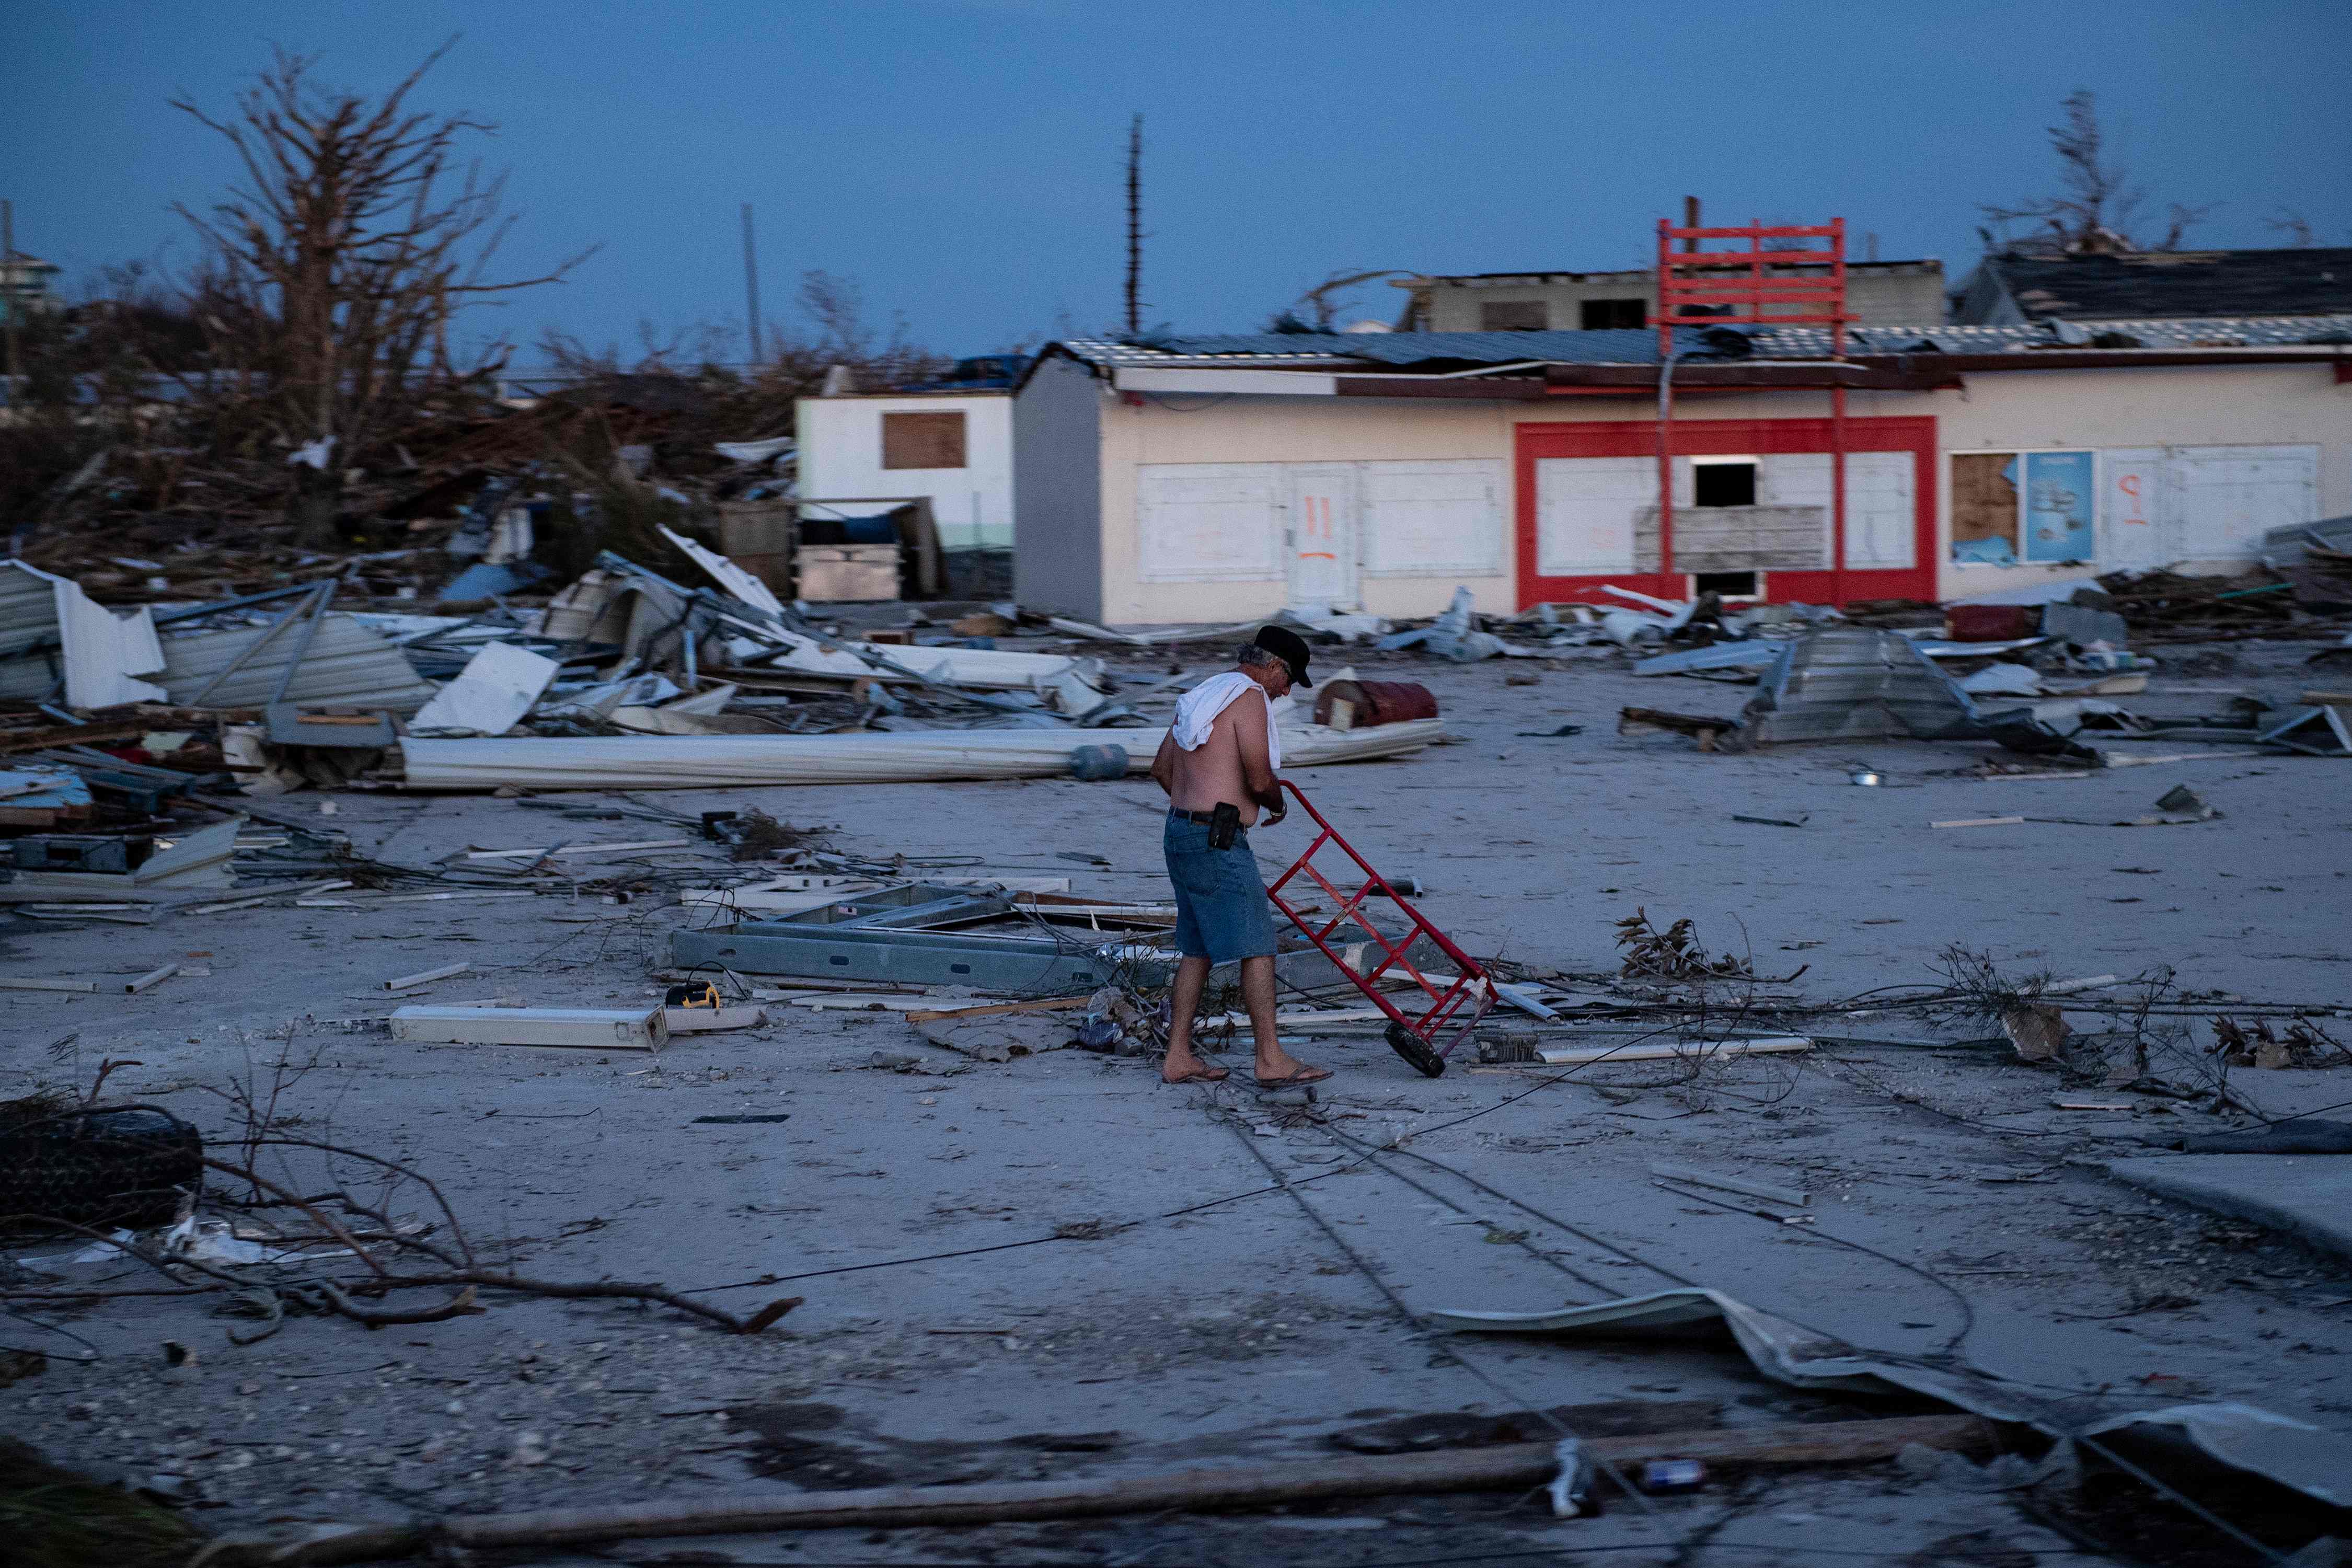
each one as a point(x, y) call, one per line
point(1288, 646)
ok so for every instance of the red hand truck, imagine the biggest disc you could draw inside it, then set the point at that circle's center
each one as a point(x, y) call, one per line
point(1455, 1010)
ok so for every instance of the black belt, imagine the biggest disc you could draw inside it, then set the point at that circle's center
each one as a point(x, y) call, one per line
point(1202, 818)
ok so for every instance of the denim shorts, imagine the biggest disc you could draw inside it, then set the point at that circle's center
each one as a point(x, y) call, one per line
point(1221, 912)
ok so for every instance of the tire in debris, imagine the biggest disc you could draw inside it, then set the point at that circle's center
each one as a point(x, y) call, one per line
point(120, 1165)
point(1414, 1049)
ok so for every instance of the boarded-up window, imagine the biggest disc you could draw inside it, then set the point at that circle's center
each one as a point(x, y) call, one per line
point(1432, 520)
point(1208, 522)
point(1984, 508)
point(923, 440)
point(1512, 316)
point(1601, 315)
point(1585, 506)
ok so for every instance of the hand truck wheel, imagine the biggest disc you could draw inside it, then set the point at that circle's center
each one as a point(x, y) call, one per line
point(1414, 1049)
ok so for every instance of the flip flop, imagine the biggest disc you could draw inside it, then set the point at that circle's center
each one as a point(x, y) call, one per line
point(1200, 1075)
point(1298, 1079)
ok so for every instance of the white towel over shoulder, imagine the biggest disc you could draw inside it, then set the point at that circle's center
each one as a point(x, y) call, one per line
point(1198, 708)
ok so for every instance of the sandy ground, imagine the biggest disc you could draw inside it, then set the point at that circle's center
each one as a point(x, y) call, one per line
point(1189, 1329)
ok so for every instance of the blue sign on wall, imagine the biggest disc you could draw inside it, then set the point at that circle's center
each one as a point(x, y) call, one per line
point(2059, 493)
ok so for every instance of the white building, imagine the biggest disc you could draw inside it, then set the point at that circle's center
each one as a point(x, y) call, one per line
point(1215, 480)
point(954, 448)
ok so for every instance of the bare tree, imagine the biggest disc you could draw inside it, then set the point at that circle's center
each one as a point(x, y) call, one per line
point(334, 270)
point(2097, 199)
point(1325, 300)
point(2296, 227)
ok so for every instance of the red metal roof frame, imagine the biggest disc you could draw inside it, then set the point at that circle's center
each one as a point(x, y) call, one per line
point(1718, 286)
point(1735, 285)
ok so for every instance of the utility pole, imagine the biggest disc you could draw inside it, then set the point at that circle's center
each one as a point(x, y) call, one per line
point(751, 286)
point(8, 292)
point(1135, 226)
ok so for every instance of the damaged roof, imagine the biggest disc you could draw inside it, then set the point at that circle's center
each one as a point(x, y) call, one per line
point(2307, 281)
point(1328, 352)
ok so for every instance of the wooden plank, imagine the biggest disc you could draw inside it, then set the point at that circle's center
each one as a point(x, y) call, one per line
point(1511, 1467)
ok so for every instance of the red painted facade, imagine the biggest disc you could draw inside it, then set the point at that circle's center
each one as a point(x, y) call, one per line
point(1717, 438)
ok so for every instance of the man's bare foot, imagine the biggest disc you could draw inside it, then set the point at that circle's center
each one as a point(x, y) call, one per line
point(1283, 1071)
point(1189, 1068)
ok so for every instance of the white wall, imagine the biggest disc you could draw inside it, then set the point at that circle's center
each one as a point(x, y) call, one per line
point(2112, 412)
point(2204, 416)
point(841, 456)
point(1374, 451)
point(2186, 418)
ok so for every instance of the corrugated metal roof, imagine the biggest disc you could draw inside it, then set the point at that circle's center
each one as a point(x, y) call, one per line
point(2172, 284)
point(345, 663)
point(1697, 343)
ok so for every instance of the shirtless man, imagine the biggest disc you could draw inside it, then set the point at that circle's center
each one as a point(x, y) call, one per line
point(1223, 748)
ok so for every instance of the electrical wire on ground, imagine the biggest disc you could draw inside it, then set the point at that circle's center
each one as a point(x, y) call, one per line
point(2050, 1419)
point(1412, 1320)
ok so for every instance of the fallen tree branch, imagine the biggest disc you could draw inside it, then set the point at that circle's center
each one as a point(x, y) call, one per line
point(605, 1290)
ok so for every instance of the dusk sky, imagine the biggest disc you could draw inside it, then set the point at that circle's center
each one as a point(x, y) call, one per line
point(961, 160)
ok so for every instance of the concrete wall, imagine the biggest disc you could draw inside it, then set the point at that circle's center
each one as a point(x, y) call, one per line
point(841, 454)
point(1885, 293)
point(1058, 538)
point(1285, 430)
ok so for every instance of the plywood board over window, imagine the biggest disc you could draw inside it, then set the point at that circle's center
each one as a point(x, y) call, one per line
point(1984, 508)
point(1432, 520)
point(1208, 522)
point(928, 440)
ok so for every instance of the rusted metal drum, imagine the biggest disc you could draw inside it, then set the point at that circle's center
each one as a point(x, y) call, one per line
point(1365, 704)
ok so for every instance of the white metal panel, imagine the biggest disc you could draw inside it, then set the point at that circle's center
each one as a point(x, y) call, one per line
point(709, 761)
point(1259, 383)
point(1881, 518)
point(1881, 510)
point(1320, 532)
point(1432, 520)
point(2224, 498)
point(1208, 522)
point(1797, 478)
point(2133, 532)
point(1585, 508)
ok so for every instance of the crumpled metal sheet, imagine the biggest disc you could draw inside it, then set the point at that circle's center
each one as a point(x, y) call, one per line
point(345, 664)
point(193, 861)
point(2312, 1459)
point(706, 761)
point(1856, 683)
point(100, 650)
